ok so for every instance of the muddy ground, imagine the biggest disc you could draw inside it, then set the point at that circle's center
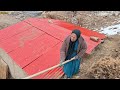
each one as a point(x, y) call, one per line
point(93, 20)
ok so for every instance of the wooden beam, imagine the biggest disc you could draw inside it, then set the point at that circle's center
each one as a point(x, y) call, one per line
point(3, 69)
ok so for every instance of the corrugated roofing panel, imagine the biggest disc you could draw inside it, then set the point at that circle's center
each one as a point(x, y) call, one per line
point(34, 49)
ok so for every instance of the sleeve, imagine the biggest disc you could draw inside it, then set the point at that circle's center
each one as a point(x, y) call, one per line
point(62, 51)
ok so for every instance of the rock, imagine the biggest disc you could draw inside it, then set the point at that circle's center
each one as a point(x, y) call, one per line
point(96, 39)
point(116, 50)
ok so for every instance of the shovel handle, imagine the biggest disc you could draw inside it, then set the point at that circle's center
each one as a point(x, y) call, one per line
point(41, 72)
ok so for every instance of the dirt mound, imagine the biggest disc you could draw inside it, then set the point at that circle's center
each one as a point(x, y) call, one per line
point(106, 68)
point(61, 15)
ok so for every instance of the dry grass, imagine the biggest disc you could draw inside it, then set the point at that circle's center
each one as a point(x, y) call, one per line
point(105, 68)
point(3, 12)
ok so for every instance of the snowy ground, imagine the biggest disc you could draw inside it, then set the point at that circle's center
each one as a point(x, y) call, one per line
point(111, 30)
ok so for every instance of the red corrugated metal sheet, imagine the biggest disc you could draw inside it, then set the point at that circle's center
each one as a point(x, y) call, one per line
point(13, 30)
point(21, 39)
point(60, 29)
point(47, 60)
point(68, 26)
point(83, 30)
point(40, 45)
point(49, 28)
point(31, 50)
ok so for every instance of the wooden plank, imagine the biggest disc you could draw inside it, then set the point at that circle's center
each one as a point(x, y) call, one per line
point(3, 69)
point(14, 69)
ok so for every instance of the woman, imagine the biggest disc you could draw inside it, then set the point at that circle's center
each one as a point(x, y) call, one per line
point(74, 46)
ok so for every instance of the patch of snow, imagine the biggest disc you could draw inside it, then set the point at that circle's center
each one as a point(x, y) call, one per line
point(111, 30)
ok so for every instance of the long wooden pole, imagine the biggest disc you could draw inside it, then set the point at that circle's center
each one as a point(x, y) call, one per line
point(41, 72)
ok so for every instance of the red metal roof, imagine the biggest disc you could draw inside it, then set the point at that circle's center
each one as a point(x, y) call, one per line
point(34, 44)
